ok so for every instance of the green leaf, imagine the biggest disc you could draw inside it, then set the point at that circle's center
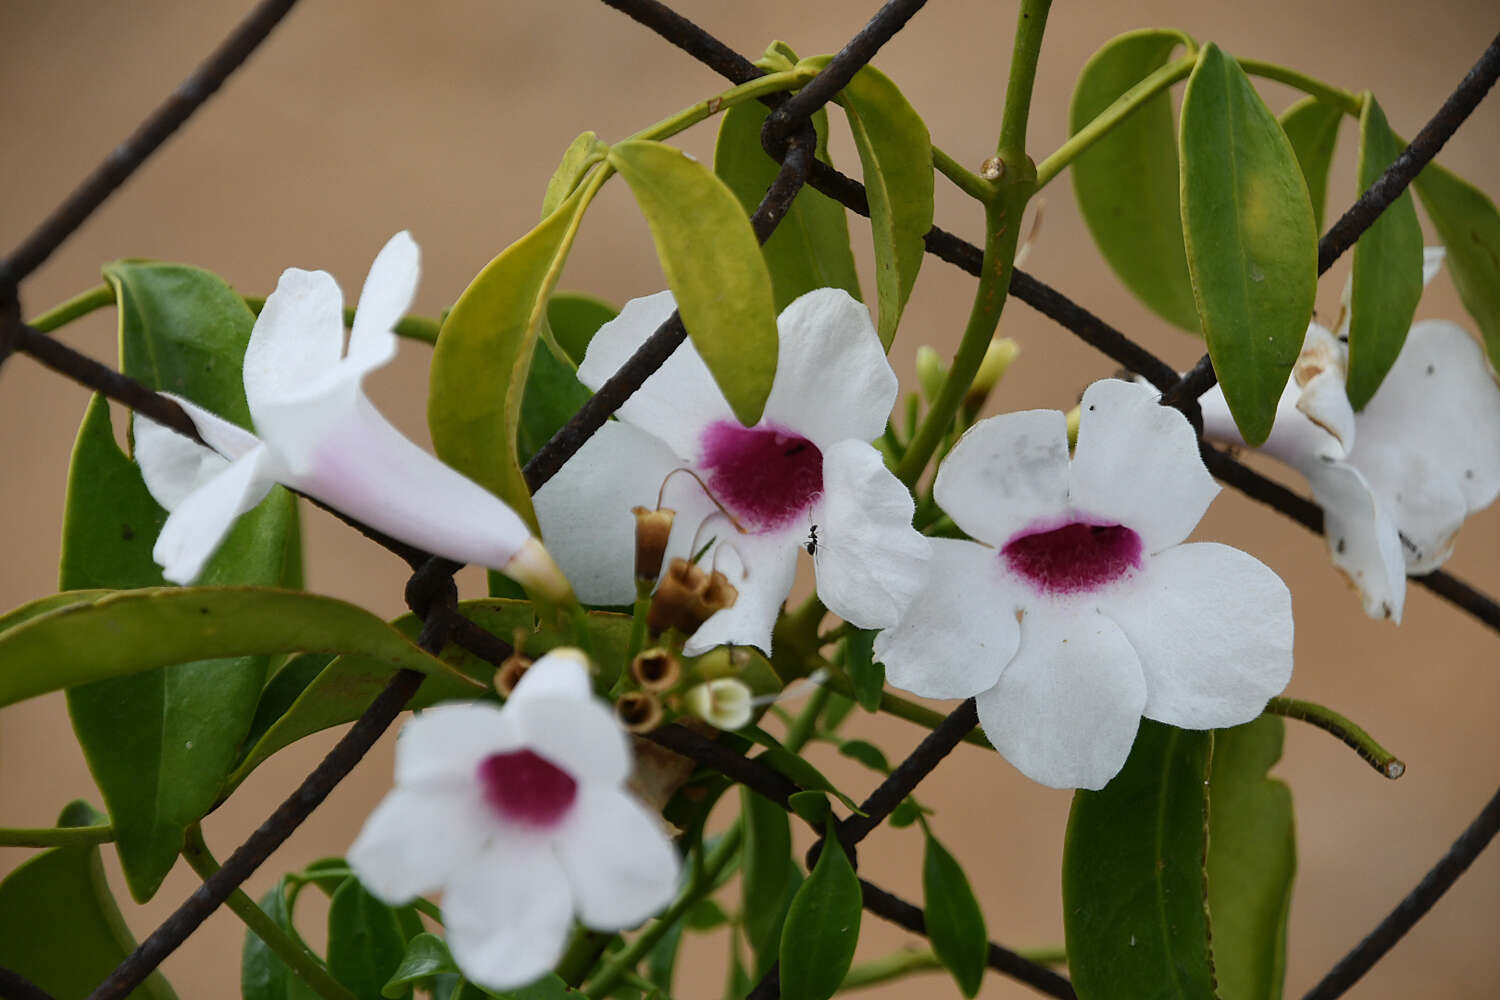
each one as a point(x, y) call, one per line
point(810, 247)
point(705, 916)
point(1134, 887)
point(59, 925)
point(1252, 248)
point(1312, 127)
point(365, 942)
point(136, 630)
point(1252, 857)
point(426, 956)
point(484, 351)
point(582, 153)
point(574, 318)
point(159, 744)
point(895, 153)
point(866, 753)
point(725, 296)
point(1387, 266)
point(553, 395)
point(1127, 181)
point(905, 814)
point(811, 805)
point(51, 602)
point(263, 975)
point(801, 771)
point(766, 867)
point(345, 688)
point(1469, 227)
point(954, 921)
point(822, 926)
point(867, 675)
point(661, 960)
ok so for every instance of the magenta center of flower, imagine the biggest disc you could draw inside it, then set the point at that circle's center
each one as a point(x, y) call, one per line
point(526, 789)
point(1075, 557)
point(764, 475)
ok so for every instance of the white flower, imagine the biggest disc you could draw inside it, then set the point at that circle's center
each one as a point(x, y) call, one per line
point(724, 702)
point(804, 476)
point(321, 435)
point(1082, 610)
point(520, 816)
point(1396, 480)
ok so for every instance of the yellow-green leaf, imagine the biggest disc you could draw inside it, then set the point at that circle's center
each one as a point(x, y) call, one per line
point(1252, 248)
point(714, 266)
point(1312, 127)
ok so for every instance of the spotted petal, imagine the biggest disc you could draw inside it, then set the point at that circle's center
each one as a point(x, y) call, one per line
point(1362, 538)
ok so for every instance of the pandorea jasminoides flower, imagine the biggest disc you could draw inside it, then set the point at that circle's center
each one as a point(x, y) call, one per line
point(321, 435)
point(804, 476)
point(520, 816)
point(1396, 480)
point(1079, 609)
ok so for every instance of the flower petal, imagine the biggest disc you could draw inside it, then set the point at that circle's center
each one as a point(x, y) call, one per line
point(1005, 474)
point(1362, 538)
point(507, 915)
point(417, 838)
point(1432, 263)
point(585, 509)
point(960, 632)
point(1321, 372)
point(1212, 627)
point(194, 530)
point(679, 400)
point(833, 381)
point(389, 289)
point(619, 861)
point(870, 560)
point(1066, 709)
point(345, 453)
point(1430, 440)
point(767, 564)
point(581, 736)
point(1137, 464)
point(446, 743)
point(295, 348)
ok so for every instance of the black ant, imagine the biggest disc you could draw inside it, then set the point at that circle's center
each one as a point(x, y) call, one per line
point(811, 545)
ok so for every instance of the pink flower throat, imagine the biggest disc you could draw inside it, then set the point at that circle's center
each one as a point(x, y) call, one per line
point(765, 475)
point(1075, 557)
point(526, 789)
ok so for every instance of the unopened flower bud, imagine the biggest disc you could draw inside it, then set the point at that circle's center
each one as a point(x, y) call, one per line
point(652, 529)
point(656, 669)
point(638, 711)
point(724, 703)
point(997, 360)
point(930, 372)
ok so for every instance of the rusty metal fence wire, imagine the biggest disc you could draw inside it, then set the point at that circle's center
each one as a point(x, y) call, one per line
point(431, 594)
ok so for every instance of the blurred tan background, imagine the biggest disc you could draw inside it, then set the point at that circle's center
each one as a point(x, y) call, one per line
point(359, 119)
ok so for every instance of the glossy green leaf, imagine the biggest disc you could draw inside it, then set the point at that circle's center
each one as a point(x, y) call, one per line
point(263, 975)
point(582, 154)
point(1252, 857)
point(822, 926)
point(765, 868)
point(365, 942)
point(1387, 266)
point(1252, 248)
point(895, 153)
point(1135, 908)
point(136, 630)
point(1312, 127)
point(553, 395)
point(426, 956)
point(484, 351)
point(705, 915)
point(59, 925)
point(866, 753)
point(1469, 226)
point(159, 743)
point(868, 675)
point(51, 602)
point(905, 814)
point(810, 247)
point(725, 296)
point(811, 805)
point(955, 924)
point(802, 771)
point(1127, 181)
point(574, 318)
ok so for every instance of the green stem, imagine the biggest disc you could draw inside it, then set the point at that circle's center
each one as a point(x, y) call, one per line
point(969, 183)
point(301, 961)
point(582, 955)
point(1051, 955)
point(627, 958)
point(806, 723)
point(1326, 92)
point(1123, 106)
point(771, 83)
point(57, 836)
point(896, 965)
point(893, 704)
point(1025, 52)
point(1326, 719)
point(80, 305)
